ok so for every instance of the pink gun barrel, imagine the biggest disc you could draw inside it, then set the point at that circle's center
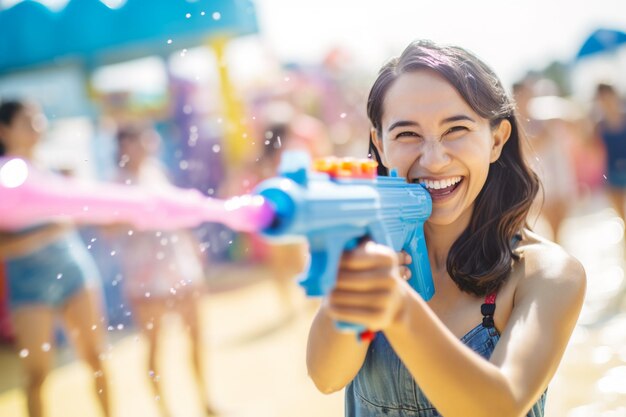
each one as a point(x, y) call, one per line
point(29, 197)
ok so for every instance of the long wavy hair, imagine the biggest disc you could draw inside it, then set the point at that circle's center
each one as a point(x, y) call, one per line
point(480, 260)
point(8, 110)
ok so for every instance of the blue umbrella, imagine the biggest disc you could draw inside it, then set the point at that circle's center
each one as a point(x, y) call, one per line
point(602, 41)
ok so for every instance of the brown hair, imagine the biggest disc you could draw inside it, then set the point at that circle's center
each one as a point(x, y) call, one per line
point(481, 259)
point(8, 110)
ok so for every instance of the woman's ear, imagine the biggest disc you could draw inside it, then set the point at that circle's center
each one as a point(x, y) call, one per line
point(500, 135)
point(378, 144)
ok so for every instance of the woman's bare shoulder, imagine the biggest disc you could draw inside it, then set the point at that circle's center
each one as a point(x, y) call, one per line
point(545, 263)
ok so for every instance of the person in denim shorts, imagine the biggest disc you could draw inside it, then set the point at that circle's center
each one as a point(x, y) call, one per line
point(442, 118)
point(50, 273)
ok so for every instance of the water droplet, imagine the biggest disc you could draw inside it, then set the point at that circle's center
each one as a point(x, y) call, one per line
point(216, 16)
point(267, 142)
point(88, 246)
point(114, 283)
point(110, 328)
point(120, 326)
point(187, 109)
point(183, 165)
point(98, 374)
point(59, 276)
point(94, 327)
point(183, 53)
point(130, 233)
point(150, 326)
point(188, 15)
point(147, 294)
point(93, 239)
point(169, 41)
point(112, 253)
point(86, 208)
point(202, 13)
point(216, 148)
point(210, 191)
point(286, 78)
point(45, 347)
point(24, 353)
point(158, 234)
point(172, 290)
point(128, 182)
point(343, 115)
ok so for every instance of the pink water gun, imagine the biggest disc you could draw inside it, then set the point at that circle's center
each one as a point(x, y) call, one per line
point(29, 197)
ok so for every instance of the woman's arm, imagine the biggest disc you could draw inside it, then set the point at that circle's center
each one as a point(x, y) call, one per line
point(333, 358)
point(547, 303)
point(19, 244)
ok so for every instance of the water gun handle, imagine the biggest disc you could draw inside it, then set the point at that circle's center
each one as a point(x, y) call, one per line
point(421, 275)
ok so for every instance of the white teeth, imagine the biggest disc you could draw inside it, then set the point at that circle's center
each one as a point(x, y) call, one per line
point(439, 184)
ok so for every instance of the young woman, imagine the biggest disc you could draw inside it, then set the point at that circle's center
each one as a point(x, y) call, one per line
point(443, 119)
point(163, 271)
point(611, 131)
point(49, 272)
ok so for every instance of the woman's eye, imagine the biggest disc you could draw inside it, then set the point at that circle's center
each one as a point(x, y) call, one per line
point(406, 134)
point(455, 129)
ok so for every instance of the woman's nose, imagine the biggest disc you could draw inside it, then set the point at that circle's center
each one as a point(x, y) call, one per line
point(434, 156)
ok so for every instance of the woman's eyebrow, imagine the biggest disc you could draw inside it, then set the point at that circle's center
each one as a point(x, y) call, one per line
point(402, 123)
point(457, 118)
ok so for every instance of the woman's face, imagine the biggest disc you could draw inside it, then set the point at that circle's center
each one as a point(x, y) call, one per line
point(432, 136)
point(136, 148)
point(25, 130)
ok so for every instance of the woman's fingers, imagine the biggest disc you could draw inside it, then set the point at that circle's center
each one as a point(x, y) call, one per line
point(365, 280)
point(404, 258)
point(368, 255)
point(372, 300)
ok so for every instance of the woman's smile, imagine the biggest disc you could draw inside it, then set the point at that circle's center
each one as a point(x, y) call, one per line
point(441, 189)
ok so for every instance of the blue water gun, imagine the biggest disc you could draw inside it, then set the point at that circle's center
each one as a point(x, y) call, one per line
point(335, 205)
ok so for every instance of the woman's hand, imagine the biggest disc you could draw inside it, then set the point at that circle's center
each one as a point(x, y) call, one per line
point(370, 286)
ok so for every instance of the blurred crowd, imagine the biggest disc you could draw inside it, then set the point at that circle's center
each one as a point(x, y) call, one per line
point(98, 278)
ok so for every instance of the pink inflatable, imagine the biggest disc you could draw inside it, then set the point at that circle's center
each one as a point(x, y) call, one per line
point(29, 197)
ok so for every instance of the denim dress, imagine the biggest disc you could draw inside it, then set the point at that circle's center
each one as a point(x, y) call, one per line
point(52, 274)
point(384, 386)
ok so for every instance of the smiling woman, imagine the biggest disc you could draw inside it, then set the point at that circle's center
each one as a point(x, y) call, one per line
point(441, 117)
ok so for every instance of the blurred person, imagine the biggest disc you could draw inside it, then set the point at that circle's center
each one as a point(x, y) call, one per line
point(282, 127)
point(50, 273)
point(442, 118)
point(611, 131)
point(548, 155)
point(163, 272)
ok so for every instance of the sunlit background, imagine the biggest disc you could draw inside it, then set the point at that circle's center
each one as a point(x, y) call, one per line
point(213, 98)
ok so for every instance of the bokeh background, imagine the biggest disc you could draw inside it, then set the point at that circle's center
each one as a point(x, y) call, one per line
point(219, 79)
